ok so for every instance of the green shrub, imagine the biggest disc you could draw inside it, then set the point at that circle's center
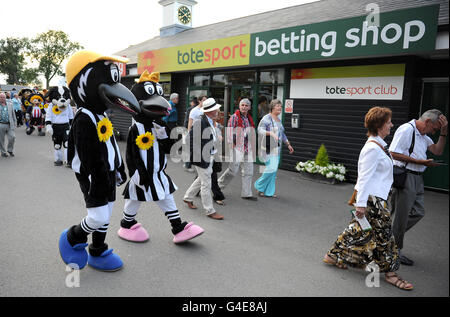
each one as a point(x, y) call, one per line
point(322, 156)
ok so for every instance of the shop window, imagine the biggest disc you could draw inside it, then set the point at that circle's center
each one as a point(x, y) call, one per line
point(166, 89)
point(218, 94)
point(266, 94)
point(197, 94)
point(242, 78)
point(200, 79)
point(220, 80)
point(272, 76)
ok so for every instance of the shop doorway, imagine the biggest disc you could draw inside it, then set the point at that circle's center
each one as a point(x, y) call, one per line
point(260, 97)
point(435, 96)
point(229, 88)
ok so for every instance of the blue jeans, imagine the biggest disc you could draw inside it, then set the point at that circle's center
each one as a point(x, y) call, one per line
point(266, 183)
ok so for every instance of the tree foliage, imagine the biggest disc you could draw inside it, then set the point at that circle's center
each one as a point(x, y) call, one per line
point(322, 156)
point(50, 49)
point(12, 61)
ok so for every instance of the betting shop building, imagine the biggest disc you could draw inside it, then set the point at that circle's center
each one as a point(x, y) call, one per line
point(328, 62)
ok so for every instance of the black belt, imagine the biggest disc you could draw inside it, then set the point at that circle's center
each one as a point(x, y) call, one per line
point(414, 172)
point(5, 122)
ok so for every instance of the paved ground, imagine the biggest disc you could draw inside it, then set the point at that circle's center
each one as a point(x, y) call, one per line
point(264, 248)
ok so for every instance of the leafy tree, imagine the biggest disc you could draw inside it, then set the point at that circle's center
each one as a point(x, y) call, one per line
point(322, 156)
point(30, 76)
point(50, 49)
point(12, 61)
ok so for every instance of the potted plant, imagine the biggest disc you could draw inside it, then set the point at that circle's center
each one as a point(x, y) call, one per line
point(321, 169)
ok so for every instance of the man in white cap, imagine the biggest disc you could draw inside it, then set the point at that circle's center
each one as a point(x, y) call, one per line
point(202, 138)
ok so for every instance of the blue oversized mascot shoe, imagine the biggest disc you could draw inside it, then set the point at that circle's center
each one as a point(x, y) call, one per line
point(72, 255)
point(107, 261)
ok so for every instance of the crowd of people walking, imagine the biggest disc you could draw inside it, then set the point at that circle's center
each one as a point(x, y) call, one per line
point(373, 196)
point(389, 210)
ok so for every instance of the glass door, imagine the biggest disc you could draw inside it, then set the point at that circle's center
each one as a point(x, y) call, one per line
point(435, 96)
point(260, 96)
point(237, 94)
point(264, 95)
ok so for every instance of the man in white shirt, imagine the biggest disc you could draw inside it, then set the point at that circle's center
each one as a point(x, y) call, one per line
point(408, 202)
point(194, 114)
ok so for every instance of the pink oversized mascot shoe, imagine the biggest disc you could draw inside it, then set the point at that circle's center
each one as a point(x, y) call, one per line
point(189, 232)
point(136, 233)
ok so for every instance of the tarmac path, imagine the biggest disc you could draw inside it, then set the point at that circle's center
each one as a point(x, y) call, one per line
point(271, 247)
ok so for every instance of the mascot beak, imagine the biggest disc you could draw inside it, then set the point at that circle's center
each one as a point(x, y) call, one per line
point(118, 96)
point(155, 105)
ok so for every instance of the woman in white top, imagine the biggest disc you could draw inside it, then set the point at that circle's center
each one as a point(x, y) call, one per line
point(355, 246)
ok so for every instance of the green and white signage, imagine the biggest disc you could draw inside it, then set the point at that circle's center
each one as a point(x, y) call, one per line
point(395, 32)
point(410, 30)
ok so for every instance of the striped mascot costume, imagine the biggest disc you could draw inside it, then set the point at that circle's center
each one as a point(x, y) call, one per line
point(147, 145)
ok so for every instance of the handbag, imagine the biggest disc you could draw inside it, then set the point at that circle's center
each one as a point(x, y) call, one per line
point(400, 171)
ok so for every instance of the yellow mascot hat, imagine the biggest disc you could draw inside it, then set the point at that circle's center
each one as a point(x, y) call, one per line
point(146, 76)
point(81, 58)
point(37, 96)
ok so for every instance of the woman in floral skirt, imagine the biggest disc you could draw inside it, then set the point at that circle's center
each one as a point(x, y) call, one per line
point(356, 247)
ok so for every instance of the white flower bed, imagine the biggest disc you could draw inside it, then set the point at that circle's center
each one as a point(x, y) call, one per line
point(336, 171)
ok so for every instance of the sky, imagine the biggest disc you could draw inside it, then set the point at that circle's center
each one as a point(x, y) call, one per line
point(108, 26)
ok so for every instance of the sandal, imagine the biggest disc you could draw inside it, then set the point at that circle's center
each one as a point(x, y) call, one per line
point(261, 194)
point(399, 282)
point(328, 260)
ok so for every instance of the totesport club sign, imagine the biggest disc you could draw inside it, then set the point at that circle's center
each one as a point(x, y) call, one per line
point(377, 82)
point(409, 30)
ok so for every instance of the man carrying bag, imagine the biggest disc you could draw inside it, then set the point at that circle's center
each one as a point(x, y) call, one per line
point(408, 202)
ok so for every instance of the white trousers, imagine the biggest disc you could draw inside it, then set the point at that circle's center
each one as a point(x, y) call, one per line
point(240, 160)
point(132, 206)
point(202, 183)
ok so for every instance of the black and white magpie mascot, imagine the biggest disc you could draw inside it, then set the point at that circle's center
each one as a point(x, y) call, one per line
point(94, 82)
point(147, 145)
point(58, 119)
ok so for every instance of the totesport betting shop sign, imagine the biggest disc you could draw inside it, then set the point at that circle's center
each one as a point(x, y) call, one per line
point(409, 30)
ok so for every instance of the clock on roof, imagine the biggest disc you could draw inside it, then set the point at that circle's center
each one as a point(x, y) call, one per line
point(184, 14)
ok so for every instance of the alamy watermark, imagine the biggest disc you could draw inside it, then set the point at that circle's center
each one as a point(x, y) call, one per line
point(373, 15)
point(373, 278)
point(237, 140)
point(73, 278)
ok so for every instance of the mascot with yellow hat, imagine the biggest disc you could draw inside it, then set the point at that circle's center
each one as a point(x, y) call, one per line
point(35, 113)
point(94, 83)
point(147, 145)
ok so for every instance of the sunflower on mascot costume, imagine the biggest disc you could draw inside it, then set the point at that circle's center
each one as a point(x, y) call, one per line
point(58, 120)
point(147, 145)
point(94, 82)
point(24, 93)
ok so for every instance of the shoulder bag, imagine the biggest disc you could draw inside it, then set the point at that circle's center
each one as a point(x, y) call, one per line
point(400, 171)
point(352, 199)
